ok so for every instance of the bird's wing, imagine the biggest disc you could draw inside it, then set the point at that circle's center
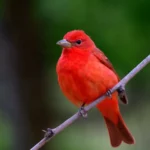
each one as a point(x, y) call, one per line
point(104, 60)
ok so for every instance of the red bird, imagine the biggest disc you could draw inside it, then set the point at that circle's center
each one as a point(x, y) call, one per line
point(84, 74)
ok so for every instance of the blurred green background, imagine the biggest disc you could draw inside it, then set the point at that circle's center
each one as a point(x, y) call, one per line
point(30, 98)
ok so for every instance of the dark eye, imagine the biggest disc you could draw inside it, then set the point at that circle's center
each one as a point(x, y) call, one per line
point(78, 41)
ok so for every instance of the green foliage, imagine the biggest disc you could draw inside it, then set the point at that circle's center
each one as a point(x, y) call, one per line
point(120, 29)
point(5, 133)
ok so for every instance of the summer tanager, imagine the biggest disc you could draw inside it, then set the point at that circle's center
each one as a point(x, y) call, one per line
point(84, 74)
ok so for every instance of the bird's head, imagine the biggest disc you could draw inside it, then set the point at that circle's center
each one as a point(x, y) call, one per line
point(76, 39)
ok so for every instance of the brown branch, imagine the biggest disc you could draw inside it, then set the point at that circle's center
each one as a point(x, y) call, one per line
point(69, 121)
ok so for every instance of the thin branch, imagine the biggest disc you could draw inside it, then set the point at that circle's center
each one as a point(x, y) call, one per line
point(69, 121)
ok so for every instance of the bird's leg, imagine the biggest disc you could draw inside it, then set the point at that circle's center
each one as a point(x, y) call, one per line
point(82, 111)
point(109, 93)
point(48, 133)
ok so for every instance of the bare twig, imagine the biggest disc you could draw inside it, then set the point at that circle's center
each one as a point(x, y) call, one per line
point(69, 121)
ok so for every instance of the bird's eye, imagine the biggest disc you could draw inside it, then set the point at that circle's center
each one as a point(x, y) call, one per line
point(78, 41)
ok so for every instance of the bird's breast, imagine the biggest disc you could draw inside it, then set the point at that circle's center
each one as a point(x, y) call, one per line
point(82, 81)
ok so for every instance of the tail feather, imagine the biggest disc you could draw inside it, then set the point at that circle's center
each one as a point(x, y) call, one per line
point(115, 138)
point(117, 129)
point(118, 132)
point(124, 132)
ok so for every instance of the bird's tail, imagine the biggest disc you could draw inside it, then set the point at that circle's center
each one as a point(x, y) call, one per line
point(117, 129)
point(118, 132)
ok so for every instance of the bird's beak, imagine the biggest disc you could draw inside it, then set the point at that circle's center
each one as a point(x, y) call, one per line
point(64, 43)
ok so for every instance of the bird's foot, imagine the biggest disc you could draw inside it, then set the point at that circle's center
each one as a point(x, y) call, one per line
point(83, 112)
point(48, 133)
point(121, 89)
point(109, 94)
point(122, 94)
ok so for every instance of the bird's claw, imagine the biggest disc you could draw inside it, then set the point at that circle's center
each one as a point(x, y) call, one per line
point(122, 94)
point(121, 89)
point(83, 112)
point(109, 93)
point(48, 133)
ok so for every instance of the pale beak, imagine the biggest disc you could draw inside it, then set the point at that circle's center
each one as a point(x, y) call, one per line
point(64, 43)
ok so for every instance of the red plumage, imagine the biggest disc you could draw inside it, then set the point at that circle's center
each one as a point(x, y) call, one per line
point(84, 74)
